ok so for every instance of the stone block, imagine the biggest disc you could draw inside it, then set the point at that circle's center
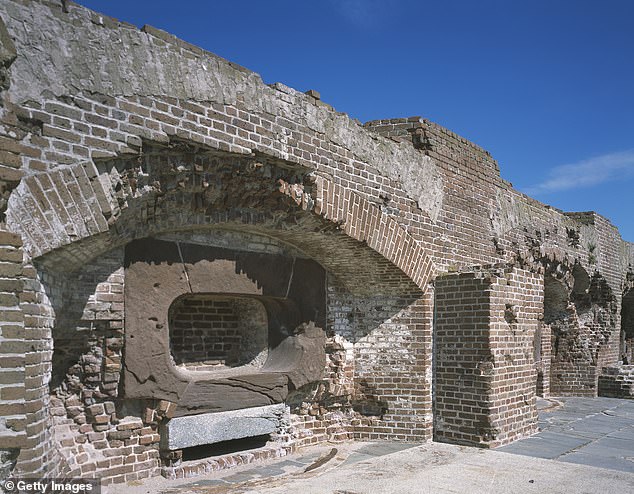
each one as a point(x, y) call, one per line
point(130, 424)
point(210, 428)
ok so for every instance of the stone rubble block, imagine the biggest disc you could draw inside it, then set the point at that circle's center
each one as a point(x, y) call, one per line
point(210, 428)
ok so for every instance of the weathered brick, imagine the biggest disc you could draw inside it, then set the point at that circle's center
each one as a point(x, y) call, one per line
point(65, 135)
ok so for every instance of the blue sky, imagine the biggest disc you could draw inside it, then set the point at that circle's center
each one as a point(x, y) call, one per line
point(546, 86)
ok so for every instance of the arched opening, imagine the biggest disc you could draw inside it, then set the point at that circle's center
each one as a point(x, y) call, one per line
point(555, 315)
point(555, 300)
point(627, 329)
point(359, 318)
point(583, 332)
point(581, 287)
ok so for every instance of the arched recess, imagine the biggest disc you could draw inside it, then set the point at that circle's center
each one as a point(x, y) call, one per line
point(556, 313)
point(580, 314)
point(76, 222)
point(627, 328)
point(555, 299)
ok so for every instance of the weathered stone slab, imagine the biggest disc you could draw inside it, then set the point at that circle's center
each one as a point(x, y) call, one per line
point(244, 391)
point(154, 278)
point(210, 428)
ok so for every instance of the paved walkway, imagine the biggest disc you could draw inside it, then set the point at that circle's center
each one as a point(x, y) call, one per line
point(597, 432)
point(585, 446)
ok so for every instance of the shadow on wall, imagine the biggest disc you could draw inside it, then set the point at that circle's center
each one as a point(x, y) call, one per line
point(627, 328)
point(88, 331)
point(234, 272)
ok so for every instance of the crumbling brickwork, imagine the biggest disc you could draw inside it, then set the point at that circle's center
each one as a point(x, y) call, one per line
point(583, 325)
point(407, 290)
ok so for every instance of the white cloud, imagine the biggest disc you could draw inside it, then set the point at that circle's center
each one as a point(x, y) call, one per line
point(363, 13)
point(587, 173)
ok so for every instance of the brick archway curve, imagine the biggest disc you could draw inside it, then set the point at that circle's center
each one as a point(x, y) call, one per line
point(75, 206)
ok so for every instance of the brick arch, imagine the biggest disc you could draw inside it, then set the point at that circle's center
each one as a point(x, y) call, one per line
point(75, 214)
point(72, 214)
point(363, 221)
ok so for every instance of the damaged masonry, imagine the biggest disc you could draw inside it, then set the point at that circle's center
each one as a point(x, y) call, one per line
point(200, 270)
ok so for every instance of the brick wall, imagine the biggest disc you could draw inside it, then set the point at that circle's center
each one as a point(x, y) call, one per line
point(392, 355)
point(516, 307)
point(95, 431)
point(378, 348)
point(462, 359)
point(213, 330)
point(38, 456)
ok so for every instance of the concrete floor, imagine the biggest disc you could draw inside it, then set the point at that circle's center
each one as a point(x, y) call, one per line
point(585, 446)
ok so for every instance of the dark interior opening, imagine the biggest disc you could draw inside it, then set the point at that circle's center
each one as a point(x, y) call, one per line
point(225, 447)
point(555, 300)
point(540, 383)
point(627, 328)
point(581, 289)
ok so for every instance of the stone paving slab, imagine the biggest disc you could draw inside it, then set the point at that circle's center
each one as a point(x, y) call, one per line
point(599, 460)
point(443, 468)
point(610, 446)
point(588, 431)
point(374, 450)
point(385, 448)
point(431, 468)
point(622, 434)
point(549, 445)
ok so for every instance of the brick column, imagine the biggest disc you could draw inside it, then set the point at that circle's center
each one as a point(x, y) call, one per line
point(12, 349)
point(39, 456)
point(485, 376)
